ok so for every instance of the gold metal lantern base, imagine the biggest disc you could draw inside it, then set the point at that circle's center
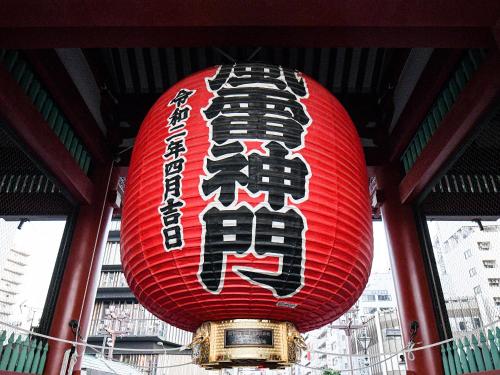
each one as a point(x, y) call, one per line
point(246, 342)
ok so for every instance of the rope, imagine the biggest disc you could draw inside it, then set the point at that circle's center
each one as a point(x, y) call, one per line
point(84, 344)
point(408, 349)
point(391, 355)
point(412, 349)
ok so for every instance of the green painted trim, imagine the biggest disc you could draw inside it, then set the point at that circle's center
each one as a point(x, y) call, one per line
point(26, 77)
point(443, 103)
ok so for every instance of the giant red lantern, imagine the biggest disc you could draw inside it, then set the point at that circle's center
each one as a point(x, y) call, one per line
point(247, 197)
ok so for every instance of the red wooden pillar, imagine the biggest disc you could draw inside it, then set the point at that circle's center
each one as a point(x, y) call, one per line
point(407, 263)
point(81, 275)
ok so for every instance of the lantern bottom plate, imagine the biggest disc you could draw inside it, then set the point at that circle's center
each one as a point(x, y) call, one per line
point(247, 342)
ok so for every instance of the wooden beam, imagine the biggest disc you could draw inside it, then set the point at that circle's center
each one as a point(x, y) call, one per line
point(322, 23)
point(320, 37)
point(56, 79)
point(21, 115)
point(435, 74)
point(388, 84)
point(481, 92)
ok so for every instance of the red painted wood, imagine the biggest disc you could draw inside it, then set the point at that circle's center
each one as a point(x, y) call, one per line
point(407, 264)
point(389, 37)
point(24, 119)
point(481, 91)
point(83, 266)
point(337, 13)
point(61, 86)
point(194, 22)
point(435, 74)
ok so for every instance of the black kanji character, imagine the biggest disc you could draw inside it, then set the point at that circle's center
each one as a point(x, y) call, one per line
point(172, 186)
point(225, 173)
point(170, 214)
point(279, 233)
point(257, 127)
point(220, 78)
point(176, 135)
point(277, 175)
point(252, 101)
point(297, 85)
point(181, 97)
point(174, 148)
point(174, 167)
point(178, 115)
point(248, 73)
point(226, 231)
point(228, 148)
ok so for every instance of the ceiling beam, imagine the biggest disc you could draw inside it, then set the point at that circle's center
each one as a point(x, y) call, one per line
point(472, 104)
point(114, 23)
point(56, 79)
point(286, 36)
point(435, 74)
point(388, 84)
point(18, 112)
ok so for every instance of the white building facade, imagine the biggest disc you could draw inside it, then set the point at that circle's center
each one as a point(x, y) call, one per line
point(468, 264)
point(367, 331)
point(13, 262)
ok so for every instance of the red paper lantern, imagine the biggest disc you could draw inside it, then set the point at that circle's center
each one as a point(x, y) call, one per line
point(247, 197)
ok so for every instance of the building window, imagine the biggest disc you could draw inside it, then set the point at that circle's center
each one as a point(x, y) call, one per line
point(468, 253)
point(494, 282)
point(477, 322)
point(384, 297)
point(461, 325)
point(114, 279)
point(369, 297)
point(472, 272)
point(112, 253)
point(484, 245)
point(477, 289)
point(490, 263)
point(496, 300)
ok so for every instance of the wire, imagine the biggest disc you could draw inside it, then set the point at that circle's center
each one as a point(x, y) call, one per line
point(227, 56)
point(254, 53)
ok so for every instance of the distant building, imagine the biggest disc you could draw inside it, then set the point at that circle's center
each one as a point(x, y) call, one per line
point(13, 262)
point(468, 262)
point(147, 335)
point(371, 324)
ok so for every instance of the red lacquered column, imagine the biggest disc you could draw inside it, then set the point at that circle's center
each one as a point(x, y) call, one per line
point(407, 263)
point(81, 275)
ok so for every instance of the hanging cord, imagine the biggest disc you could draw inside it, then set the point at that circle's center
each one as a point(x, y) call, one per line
point(254, 53)
point(411, 342)
point(225, 54)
